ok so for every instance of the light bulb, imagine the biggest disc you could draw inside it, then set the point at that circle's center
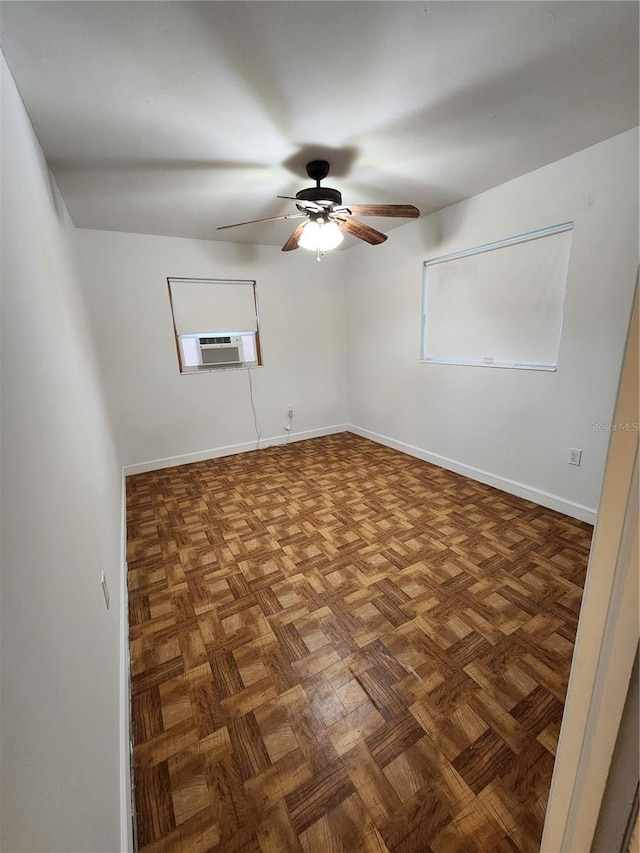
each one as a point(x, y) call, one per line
point(320, 236)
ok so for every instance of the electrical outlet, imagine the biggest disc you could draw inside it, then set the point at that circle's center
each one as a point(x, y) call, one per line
point(290, 411)
point(575, 456)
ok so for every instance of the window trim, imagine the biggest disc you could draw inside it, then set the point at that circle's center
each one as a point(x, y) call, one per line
point(185, 370)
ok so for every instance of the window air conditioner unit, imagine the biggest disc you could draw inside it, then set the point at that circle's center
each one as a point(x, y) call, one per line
point(220, 351)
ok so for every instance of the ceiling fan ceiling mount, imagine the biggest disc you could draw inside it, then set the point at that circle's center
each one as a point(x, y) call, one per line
point(318, 170)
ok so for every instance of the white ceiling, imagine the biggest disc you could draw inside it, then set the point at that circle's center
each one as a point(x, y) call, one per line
point(176, 117)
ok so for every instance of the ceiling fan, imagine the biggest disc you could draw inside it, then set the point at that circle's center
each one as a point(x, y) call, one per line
point(325, 218)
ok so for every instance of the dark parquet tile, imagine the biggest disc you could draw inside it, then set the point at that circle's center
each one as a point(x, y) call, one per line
point(335, 646)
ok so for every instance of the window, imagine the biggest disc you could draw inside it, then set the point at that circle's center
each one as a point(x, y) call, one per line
point(498, 305)
point(215, 323)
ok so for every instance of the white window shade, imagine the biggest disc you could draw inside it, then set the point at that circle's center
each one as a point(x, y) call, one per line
point(498, 305)
point(205, 306)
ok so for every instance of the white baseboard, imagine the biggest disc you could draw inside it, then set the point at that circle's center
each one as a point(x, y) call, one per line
point(230, 449)
point(126, 799)
point(556, 502)
point(567, 507)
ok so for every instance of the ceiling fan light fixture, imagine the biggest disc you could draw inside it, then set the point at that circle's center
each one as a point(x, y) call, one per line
point(320, 236)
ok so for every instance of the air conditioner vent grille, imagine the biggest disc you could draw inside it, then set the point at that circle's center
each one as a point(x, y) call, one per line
point(225, 339)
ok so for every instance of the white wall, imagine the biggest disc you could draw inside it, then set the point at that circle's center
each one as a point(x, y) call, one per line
point(514, 427)
point(61, 527)
point(161, 415)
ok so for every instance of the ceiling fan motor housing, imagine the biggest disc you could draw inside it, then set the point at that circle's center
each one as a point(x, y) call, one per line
point(320, 195)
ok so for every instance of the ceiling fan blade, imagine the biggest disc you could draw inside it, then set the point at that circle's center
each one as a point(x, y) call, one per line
point(407, 211)
point(361, 231)
point(292, 242)
point(268, 219)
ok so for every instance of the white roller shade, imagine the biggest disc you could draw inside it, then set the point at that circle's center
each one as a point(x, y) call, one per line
point(499, 304)
point(202, 306)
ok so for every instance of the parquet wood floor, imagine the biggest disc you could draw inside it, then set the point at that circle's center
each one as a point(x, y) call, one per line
point(337, 647)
